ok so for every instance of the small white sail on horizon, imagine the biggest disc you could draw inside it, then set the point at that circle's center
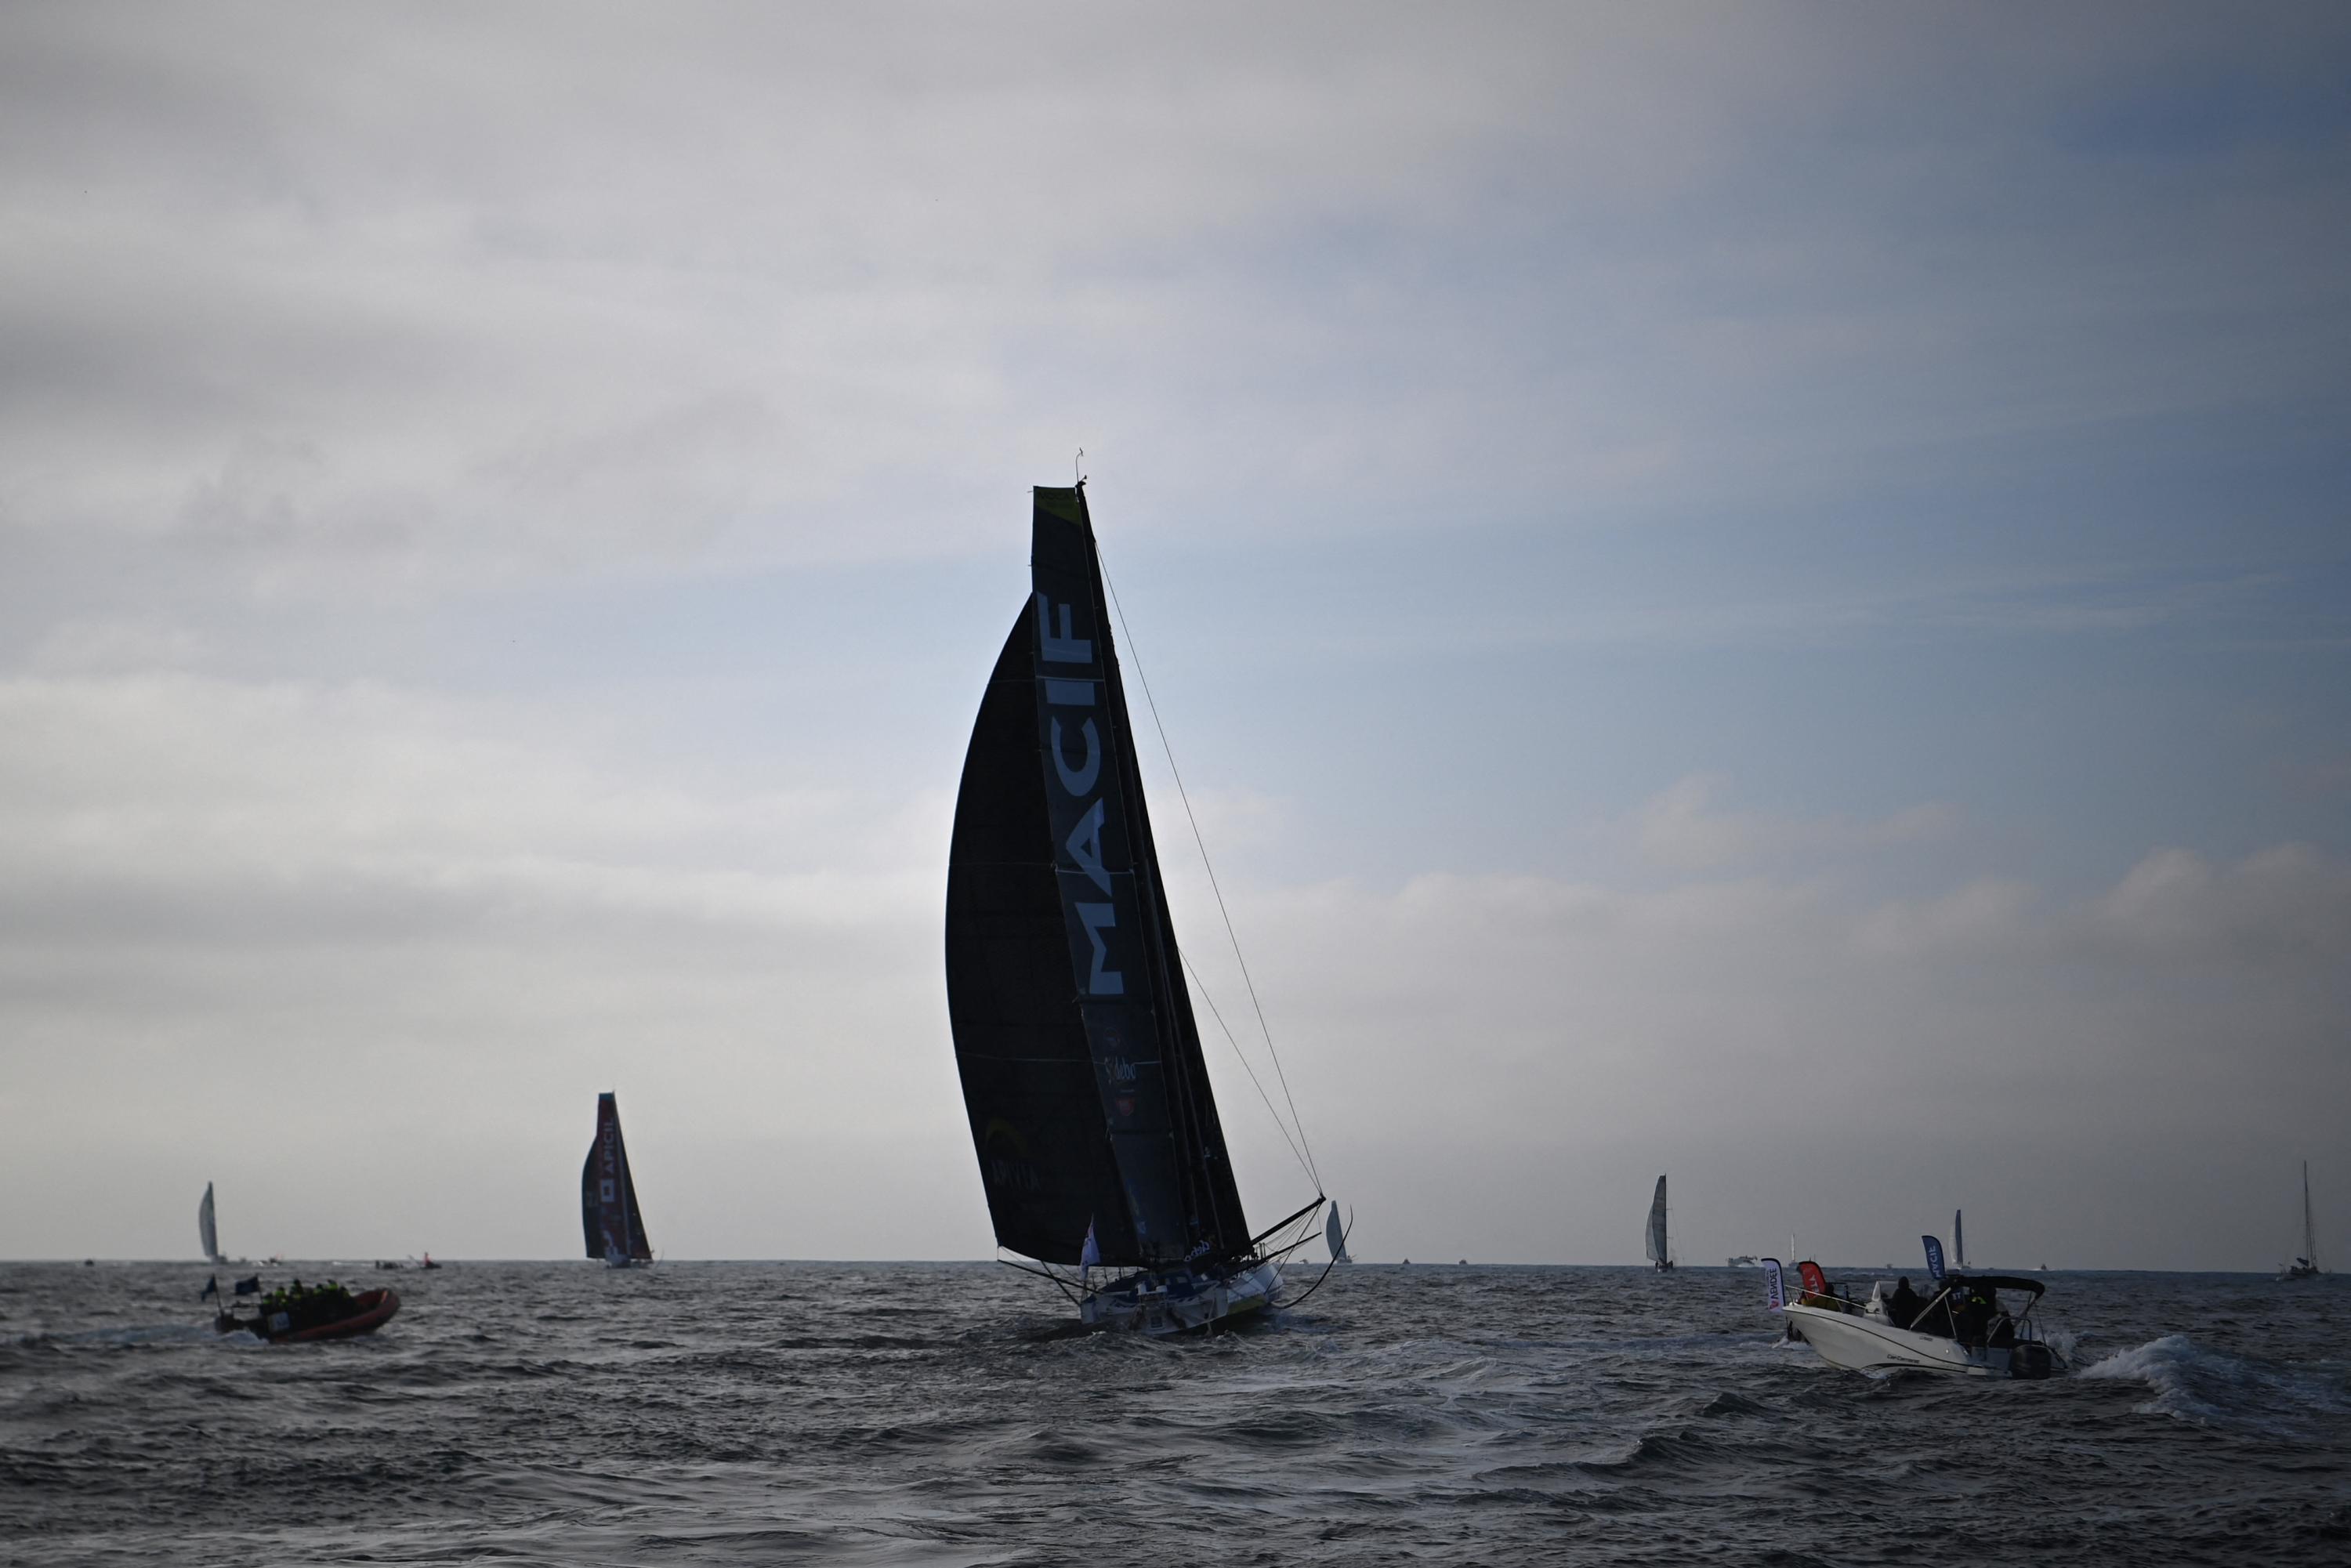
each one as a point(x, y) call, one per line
point(207, 1231)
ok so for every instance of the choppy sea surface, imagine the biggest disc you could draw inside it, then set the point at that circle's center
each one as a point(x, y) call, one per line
point(789, 1413)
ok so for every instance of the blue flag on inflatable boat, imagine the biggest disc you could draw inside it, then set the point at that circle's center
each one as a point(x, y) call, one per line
point(1775, 1293)
point(212, 1288)
point(1934, 1255)
point(248, 1286)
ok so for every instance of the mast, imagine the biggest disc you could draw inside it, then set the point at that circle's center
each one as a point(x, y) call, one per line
point(2309, 1231)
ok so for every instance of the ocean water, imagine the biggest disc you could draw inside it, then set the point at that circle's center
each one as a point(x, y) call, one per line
point(791, 1413)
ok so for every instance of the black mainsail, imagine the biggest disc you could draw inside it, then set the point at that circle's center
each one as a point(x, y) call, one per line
point(1083, 1072)
point(612, 1227)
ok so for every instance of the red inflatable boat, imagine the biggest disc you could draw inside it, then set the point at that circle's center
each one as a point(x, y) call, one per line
point(362, 1314)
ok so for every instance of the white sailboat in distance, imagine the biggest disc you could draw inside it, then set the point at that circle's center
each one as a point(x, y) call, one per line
point(207, 1229)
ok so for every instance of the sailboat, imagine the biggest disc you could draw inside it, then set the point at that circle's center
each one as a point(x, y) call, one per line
point(1959, 1238)
point(207, 1230)
point(614, 1230)
point(1660, 1253)
point(1090, 1109)
point(2306, 1266)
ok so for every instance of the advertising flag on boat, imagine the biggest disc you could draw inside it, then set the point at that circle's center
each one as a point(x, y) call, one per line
point(1775, 1294)
point(212, 1288)
point(248, 1286)
point(1934, 1255)
point(1815, 1282)
point(1088, 1255)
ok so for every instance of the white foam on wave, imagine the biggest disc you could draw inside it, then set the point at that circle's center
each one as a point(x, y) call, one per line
point(126, 1335)
point(2210, 1387)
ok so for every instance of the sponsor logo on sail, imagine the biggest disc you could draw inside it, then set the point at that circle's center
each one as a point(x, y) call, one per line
point(1078, 774)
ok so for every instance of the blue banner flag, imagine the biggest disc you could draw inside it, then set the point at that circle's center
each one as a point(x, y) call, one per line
point(1934, 1255)
point(212, 1288)
point(248, 1286)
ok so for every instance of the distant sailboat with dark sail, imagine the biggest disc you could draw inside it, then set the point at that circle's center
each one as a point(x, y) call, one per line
point(1661, 1252)
point(2306, 1266)
point(1099, 1144)
point(613, 1226)
point(208, 1228)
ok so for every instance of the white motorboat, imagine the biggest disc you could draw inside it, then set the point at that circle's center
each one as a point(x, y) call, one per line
point(1962, 1328)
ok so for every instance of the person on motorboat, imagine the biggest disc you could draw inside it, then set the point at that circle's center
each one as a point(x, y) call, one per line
point(1903, 1307)
point(1971, 1318)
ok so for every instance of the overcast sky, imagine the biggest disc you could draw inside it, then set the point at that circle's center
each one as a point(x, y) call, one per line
point(1762, 593)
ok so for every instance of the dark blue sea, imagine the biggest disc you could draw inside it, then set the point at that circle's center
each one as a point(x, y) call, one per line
point(822, 1413)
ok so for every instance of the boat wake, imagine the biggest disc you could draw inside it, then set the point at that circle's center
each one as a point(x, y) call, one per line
point(125, 1336)
point(2212, 1388)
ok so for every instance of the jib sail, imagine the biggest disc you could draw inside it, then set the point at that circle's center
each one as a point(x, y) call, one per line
point(1082, 1073)
point(612, 1225)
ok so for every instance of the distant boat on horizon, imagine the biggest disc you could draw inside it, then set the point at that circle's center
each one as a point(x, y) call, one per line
point(207, 1229)
point(612, 1225)
point(2306, 1266)
point(1660, 1250)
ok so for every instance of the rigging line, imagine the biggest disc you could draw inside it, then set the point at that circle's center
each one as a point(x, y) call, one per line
point(1230, 934)
point(1217, 1014)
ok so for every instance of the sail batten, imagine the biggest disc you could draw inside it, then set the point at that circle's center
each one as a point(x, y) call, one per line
point(1084, 1077)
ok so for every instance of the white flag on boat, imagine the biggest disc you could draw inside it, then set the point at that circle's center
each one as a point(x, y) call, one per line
point(1775, 1294)
point(1090, 1254)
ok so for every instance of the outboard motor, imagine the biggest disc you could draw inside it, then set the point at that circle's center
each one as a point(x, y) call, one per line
point(2030, 1358)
